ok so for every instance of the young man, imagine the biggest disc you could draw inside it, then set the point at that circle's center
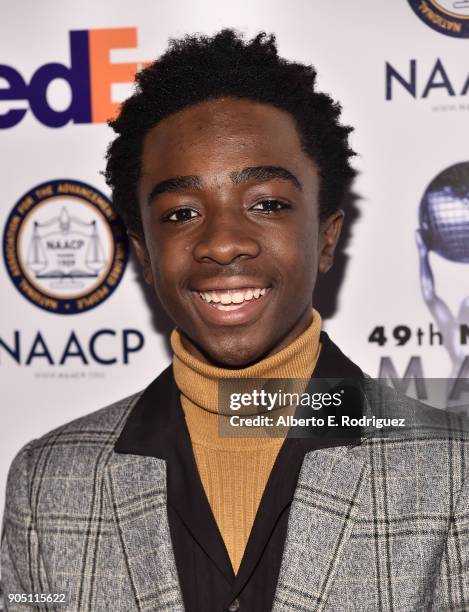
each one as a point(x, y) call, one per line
point(229, 170)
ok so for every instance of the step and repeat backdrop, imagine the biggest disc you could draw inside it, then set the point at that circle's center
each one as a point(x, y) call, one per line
point(78, 329)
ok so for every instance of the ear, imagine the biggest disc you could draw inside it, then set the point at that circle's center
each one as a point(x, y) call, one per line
point(329, 233)
point(140, 248)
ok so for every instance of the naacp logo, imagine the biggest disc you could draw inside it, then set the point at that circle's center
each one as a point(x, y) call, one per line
point(64, 246)
point(450, 17)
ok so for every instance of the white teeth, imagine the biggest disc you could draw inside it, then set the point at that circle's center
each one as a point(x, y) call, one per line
point(237, 298)
point(231, 297)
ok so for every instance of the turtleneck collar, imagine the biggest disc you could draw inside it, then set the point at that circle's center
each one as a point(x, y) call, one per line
point(198, 383)
point(198, 380)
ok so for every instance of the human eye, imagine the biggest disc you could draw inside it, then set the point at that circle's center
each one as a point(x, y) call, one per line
point(180, 215)
point(269, 206)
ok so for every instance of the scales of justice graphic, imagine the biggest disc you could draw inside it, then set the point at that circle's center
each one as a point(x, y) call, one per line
point(455, 4)
point(64, 251)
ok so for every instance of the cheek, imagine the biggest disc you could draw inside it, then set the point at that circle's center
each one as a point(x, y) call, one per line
point(296, 253)
point(164, 269)
point(159, 250)
point(170, 264)
point(308, 244)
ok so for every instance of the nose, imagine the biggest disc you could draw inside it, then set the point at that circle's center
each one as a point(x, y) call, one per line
point(224, 239)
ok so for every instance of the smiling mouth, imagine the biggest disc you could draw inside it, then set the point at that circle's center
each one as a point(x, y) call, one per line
point(232, 299)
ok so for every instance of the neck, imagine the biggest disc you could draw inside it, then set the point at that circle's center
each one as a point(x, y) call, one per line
point(297, 330)
point(199, 381)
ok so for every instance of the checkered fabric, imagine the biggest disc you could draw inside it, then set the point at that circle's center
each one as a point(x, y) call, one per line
point(383, 526)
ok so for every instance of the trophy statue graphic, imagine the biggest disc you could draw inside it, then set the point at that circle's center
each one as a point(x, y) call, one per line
point(444, 229)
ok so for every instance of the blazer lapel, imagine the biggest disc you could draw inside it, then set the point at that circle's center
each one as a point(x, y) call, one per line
point(137, 488)
point(156, 428)
point(321, 518)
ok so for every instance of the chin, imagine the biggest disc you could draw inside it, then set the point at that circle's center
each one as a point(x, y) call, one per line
point(234, 356)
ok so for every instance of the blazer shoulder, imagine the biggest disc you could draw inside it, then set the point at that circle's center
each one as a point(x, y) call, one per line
point(414, 433)
point(105, 421)
point(382, 400)
point(90, 437)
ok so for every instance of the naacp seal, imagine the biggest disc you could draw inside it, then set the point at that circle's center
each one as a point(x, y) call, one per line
point(64, 246)
point(450, 17)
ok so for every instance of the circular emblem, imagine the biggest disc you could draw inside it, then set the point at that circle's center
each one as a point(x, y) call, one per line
point(64, 246)
point(444, 214)
point(450, 17)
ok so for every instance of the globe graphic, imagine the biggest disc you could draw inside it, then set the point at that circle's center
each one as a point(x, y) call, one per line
point(444, 214)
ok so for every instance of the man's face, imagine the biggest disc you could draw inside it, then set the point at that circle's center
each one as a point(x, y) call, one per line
point(232, 240)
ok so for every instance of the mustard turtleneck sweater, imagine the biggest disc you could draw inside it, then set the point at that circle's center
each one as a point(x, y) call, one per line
point(235, 470)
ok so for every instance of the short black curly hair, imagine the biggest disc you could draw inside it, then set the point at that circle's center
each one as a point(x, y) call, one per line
point(198, 68)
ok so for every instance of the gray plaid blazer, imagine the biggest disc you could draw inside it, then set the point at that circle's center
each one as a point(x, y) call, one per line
point(383, 526)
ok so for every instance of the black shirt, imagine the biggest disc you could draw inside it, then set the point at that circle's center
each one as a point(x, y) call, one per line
point(156, 427)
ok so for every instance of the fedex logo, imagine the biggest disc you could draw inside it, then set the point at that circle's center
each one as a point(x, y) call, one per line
point(90, 75)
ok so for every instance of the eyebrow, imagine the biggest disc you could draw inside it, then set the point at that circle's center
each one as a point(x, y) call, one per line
point(177, 183)
point(264, 173)
point(253, 173)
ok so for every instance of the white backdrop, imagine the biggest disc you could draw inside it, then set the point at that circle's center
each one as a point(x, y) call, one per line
point(403, 143)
